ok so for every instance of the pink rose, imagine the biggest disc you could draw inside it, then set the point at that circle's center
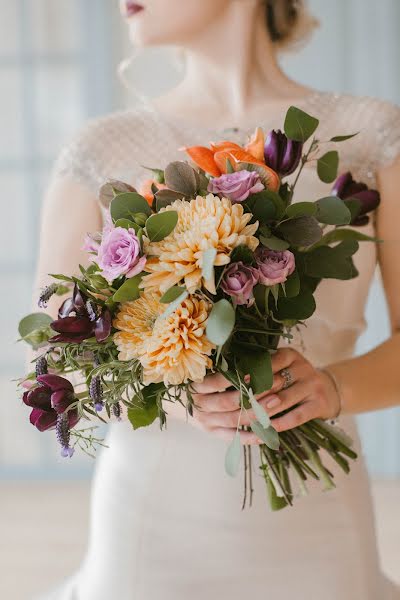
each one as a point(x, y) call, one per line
point(274, 267)
point(119, 253)
point(238, 282)
point(236, 186)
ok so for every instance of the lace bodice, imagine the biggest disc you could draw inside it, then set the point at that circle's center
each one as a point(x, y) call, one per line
point(117, 145)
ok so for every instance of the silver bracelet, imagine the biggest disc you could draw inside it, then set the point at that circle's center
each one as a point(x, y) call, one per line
point(338, 388)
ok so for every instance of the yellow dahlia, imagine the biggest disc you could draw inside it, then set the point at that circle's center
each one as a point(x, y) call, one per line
point(203, 223)
point(174, 349)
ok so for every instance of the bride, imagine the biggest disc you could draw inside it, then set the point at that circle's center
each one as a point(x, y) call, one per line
point(165, 520)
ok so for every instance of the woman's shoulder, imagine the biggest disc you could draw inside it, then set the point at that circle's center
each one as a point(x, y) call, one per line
point(105, 147)
point(376, 123)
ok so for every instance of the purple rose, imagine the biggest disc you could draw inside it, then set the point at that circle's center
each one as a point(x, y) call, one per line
point(236, 186)
point(119, 253)
point(274, 267)
point(238, 282)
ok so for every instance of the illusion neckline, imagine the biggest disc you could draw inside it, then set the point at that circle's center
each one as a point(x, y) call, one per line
point(260, 117)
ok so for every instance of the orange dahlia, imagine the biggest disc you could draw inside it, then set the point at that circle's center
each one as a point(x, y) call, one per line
point(173, 349)
point(203, 223)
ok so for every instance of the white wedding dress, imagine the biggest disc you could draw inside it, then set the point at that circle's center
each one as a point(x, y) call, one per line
point(166, 521)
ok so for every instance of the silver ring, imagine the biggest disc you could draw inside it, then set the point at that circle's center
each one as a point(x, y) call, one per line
point(288, 379)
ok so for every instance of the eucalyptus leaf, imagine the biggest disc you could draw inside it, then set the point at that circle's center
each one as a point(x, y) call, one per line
point(292, 285)
point(274, 243)
point(301, 231)
point(268, 435)
point(146, 411)
point(126, 224)
point(172, 294)
point(208, 257)
point(343, 138)
point(34, 322)
point(299, 125)
point(300, 209)
point(129, 290)
point(166, 197)
point(259, 411)
point(327, 166)
point(338, 235)
point(161, 224)
point(112, 188)
point(125, 205)
point(221, 322)
point(180, 177)
point(242, 254)
point(263, 206)
point(259, 366)
point(331, 263)
point(298, 308)
point(332, 211)
point(233, 455)
point(172, 306)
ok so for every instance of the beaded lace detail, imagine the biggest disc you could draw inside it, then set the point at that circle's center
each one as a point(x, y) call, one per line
point(118, 145)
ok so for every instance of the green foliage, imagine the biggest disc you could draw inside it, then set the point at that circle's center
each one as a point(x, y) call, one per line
point(299, 125)
point(268, 435)
point(266, 206)
point(326, 262)
point(233, 455)
point(242, 254)
point(327, 166)
point(146, 410)
point(180, 177)
point(172, 306)
point(339, 235)
point(221, 322)
point(172, 294)
point(35, 330)
point(126, 224)
point(296, 308)
point(301, 209)
point(259, 366)
point(259, 411)
point(166, 197)
point(343, 138)
point(332, 211)
point(292, 285)
point(301, 231)
point(274, 243)
point(124, 206)
point(160, 225)
point(129, 290)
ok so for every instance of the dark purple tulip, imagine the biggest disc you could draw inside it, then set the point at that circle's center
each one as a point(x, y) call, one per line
point(81, 325)
point(51, 398)
point(345, 188)
point(282, 154)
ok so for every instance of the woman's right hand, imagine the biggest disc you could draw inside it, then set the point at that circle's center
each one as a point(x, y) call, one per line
point(217, 410)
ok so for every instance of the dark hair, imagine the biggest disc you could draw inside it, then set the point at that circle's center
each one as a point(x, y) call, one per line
point(282, 17)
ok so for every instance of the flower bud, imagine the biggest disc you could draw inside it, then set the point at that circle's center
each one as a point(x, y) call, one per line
point(346, 188)
point(140, 219)
point(282, 154)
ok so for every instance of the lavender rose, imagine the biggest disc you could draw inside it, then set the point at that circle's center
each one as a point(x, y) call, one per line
point(238, 281)
point(236, 186)
point(274, 267)
point(119, 253)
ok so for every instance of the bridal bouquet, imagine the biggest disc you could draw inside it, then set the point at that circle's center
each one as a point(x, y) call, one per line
point(204, 272)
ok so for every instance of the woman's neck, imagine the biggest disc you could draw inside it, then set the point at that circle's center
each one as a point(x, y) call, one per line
point(231, 69)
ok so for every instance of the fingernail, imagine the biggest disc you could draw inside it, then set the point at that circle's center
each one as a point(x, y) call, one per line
point(273, 402)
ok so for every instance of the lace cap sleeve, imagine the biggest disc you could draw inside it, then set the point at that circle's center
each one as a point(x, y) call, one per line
point(388, 135)
point(99, 152)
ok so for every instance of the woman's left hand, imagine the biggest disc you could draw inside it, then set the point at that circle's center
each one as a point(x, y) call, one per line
point(312, 392)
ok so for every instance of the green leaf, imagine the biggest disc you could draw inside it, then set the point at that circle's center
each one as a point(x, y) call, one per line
point(166, 197)
point(158, 173)
point(332, 211)
point(229, 167)
point(299, 125)
point(160, 225)
point(242, 254)
point(333, 263)
point(292, 285)
point(172, 294)
point(354, 206)
point(221, 322)
point(233, 455)
point(265, 206)
point(297, 308)
point(208, 259)
point(172, 306)
point(301, 209)
point(129, 290)
point(146, 412)
point(301, 231)
point(123, 206)
point(343, 138)
point(112, 188)
point(259, 366)
point(259, 411)
point(180, 177)
point(338, 235)
point(34, 322)
point(327, 166)
point(126, 224)
point(274, 243)
point(268, 435)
